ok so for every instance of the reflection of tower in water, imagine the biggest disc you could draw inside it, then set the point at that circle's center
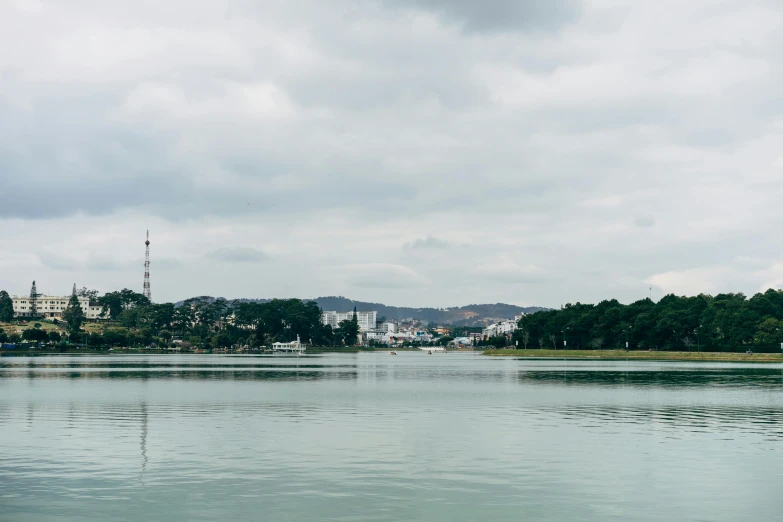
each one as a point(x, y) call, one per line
point(143, 438)
point(146, 291)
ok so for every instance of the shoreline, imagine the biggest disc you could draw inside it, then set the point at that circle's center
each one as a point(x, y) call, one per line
point(622, 355)
point(309, 351)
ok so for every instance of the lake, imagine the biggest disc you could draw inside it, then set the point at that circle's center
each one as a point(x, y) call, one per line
point(370, 436)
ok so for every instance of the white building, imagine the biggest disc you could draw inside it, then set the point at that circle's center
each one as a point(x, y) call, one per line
point(501, 328)
point(50, 306)
point(366, 320)
point(294, 346)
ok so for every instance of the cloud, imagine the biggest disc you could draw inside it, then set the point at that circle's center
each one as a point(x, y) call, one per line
point(381, 275)
point(502, 15)
point(58, 262)
point(507, 271)
point(729, 277)
point(238, 255)
point(430, 242)
point(528, 130)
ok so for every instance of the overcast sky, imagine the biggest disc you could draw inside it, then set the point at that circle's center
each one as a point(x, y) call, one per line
point(411, 152)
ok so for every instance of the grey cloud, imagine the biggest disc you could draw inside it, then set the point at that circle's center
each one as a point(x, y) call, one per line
point(381, 275)
point(332, 133)
point(100, 263)
point(166, 263)
point(430, 242)
point(507, 271)
point(58, 262)
point(106, 264)
point(503, 15)
point(644, 222)
point(238, 255)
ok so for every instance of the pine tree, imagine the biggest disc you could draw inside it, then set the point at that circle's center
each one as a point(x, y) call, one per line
point(6, 307)
point(33, 301)
point(74, 315)
point(355, 320)
point(351, 329)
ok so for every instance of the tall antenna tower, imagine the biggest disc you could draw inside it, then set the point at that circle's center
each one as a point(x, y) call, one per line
point(147, 292)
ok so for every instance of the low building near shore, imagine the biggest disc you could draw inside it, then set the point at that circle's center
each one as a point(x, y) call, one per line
point(293, 346)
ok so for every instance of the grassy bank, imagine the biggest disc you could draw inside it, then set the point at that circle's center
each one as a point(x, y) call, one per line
point(642, 355)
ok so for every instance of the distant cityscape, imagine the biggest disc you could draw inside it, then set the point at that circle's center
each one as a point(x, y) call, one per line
point(199, 319)
point(393, 333)
point(372, 331)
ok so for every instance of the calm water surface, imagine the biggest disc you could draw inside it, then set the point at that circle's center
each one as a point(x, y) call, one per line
point(375, 437)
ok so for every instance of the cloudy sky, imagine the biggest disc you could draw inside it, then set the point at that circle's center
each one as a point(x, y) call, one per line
point(412, 152)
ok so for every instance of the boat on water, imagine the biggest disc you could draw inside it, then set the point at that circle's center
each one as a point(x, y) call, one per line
point(392, 353)
point(429, 352)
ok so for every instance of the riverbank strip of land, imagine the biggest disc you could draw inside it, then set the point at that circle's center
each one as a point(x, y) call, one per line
point(621, 355)
point(311, 350)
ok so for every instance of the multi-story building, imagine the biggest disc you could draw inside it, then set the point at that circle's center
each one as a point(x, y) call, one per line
point(365, 319)
point(389, 326)
point(501, 328)
point(50, 306)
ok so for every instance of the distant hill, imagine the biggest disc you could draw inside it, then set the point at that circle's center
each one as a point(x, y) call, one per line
point(469, 315)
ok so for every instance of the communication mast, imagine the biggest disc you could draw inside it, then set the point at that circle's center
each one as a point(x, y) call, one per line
point(147, 292)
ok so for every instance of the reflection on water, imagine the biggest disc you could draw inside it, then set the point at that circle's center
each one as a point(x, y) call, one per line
point(374, 437)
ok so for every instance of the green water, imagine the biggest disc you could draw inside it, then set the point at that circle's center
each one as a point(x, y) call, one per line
point(371, 436)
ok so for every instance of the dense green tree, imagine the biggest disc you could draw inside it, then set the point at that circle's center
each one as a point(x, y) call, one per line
point(35, 334)
point(54, 336)
point(92, 295)
point(725, 322)
point(114, 303)
point(445, 340)
point(115, 337)
point(73, 314)
point(6, 307)
point(165, 336)
point(132, 317)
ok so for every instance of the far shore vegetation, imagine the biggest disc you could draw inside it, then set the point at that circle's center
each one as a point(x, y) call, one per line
point(673, 328)
point(703, 323)
point(200, 324)
point(641, 355)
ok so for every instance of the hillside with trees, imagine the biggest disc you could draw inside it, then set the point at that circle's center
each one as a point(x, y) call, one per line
point(469, 315)
point(725, 322)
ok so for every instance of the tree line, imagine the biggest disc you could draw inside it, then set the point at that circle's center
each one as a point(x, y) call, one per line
point(725, 322)
point(202, 322)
